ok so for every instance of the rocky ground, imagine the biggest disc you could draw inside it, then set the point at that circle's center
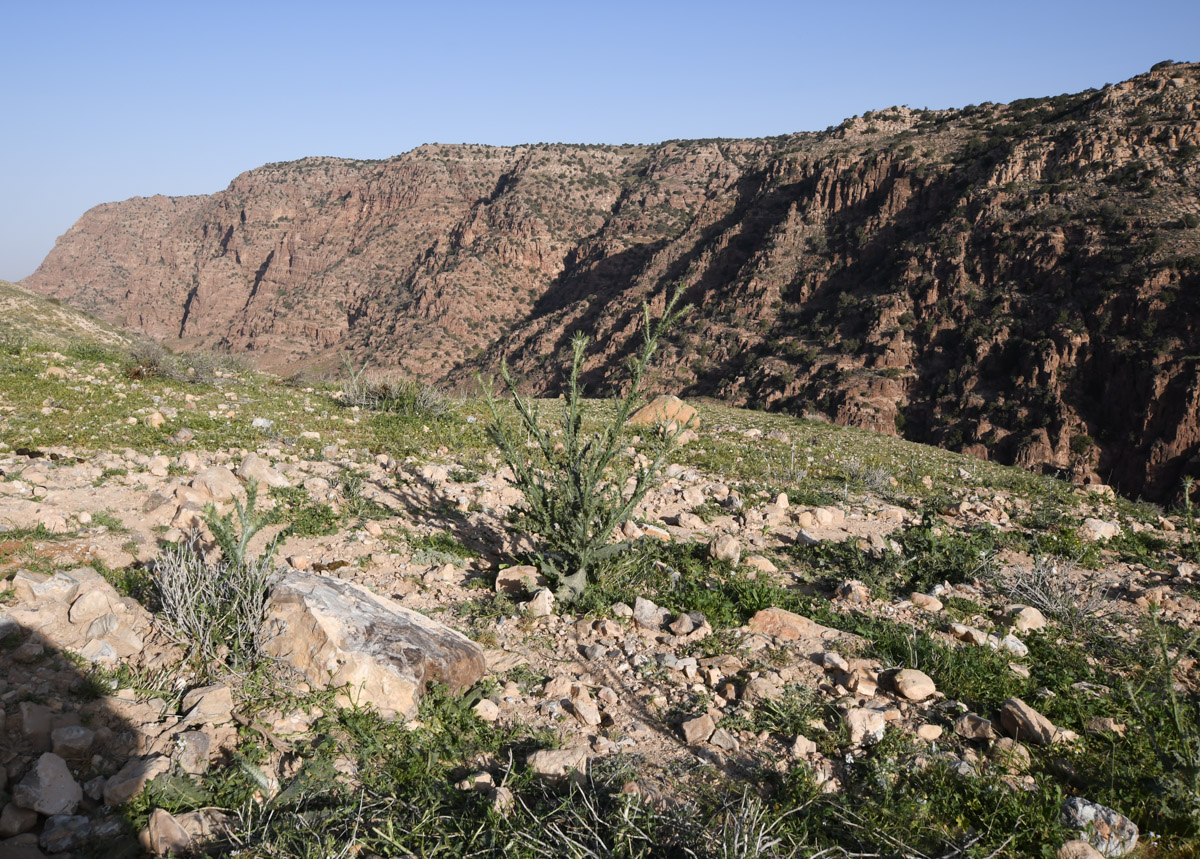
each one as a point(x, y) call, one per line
point(820, 640)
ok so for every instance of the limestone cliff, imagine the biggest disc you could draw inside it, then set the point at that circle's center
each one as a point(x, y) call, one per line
point(1018, 281)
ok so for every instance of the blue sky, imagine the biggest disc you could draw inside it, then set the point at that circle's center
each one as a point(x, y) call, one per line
point(105, 101)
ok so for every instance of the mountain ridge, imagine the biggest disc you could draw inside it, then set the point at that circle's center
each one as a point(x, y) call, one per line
point(1015, 281)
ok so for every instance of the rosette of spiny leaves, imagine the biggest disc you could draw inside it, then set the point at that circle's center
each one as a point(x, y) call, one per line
point(573, 495)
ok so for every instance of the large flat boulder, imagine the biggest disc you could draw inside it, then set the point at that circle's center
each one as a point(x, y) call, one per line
point(339, 634)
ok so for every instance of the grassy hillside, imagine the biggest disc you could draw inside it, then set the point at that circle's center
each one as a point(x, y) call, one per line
point(911, 557)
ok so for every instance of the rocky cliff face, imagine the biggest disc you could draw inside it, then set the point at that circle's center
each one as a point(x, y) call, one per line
point(1017, 281)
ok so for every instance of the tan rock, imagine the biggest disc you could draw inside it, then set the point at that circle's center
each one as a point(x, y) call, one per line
point(542, 604)
point(930, 733)
point(802, 747)
point(15, 820)
point(1078, 849)
point(207, 705)
point(254, 467)
point(914, 685)
point(666, 409)
point(339, 634)
point(559, 764)
point(166, 836)
point(866, 726)
point(725, 548)
point(586, 710)
point(974, 727)
point(788, 626)
point(925, 602)
point(48, 788)
point(1022, 722)
point(218, 483)
point(487, 710)
point(760, 689)
point(1097, 530)
point(520, 580)
point(698, 730)
point(758, 562)
point(131, 778)
point(1024, 618)
point(90, 605)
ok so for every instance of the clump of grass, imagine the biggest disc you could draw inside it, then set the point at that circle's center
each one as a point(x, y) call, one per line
point(216, 609)
point(1056, 588)
point(405, 397)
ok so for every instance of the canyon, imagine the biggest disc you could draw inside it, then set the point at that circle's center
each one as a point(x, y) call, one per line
point(1017, 282)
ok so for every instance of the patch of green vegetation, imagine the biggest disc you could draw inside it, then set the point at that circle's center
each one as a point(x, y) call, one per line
point(304, 516)
point(929, 555)
point(438, 548)
point(107, 519)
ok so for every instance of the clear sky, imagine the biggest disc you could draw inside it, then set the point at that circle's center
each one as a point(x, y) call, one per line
point(102, 101)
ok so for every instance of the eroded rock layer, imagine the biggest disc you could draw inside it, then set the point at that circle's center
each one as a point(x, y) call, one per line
point(1015, 281)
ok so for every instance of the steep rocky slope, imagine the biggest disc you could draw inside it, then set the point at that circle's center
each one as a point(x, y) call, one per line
point(1015, 281)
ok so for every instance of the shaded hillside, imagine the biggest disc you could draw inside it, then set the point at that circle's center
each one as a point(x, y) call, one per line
point(1016, 281)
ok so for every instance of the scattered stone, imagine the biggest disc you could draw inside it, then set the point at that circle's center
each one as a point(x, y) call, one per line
point(1098, 529)
point(833, 661)
point(866, 726)
point(648, 615)
point(586, 710)
point(339, 634)
point(542, 604)
point(1077, 849)
point(14, 820)
point(787, 626)
point(724, 740)
point(559, 764)
point(48, 788)
point(1105, 725)
point(487, 710)
point(657, 533)
point(682, 625)
point(930, 733)
point(64, 832)
point(218, 483)
point(1024, 618)
point(72, 741)
point(761, 689)
point(802, 747)
point(1014, 645)
point(664, 410)
point(914, 685)
point(726, 548)
point(854, 592)
point(212, 705)
point(763, 565)
point(165, 835)
point(1022, 722)
point(698, 730)
point(132, 777)
point(480, 782)
point(254, 467)
point(925, 602)
point(974, 727)
point(1010, 755)
point(520, 580)
point(193, 749)
point(1111, 833)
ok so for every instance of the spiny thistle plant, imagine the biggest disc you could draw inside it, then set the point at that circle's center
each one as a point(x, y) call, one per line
point(573, 495)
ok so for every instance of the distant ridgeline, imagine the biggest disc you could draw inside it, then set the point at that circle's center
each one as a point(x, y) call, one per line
point(1016, 281)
